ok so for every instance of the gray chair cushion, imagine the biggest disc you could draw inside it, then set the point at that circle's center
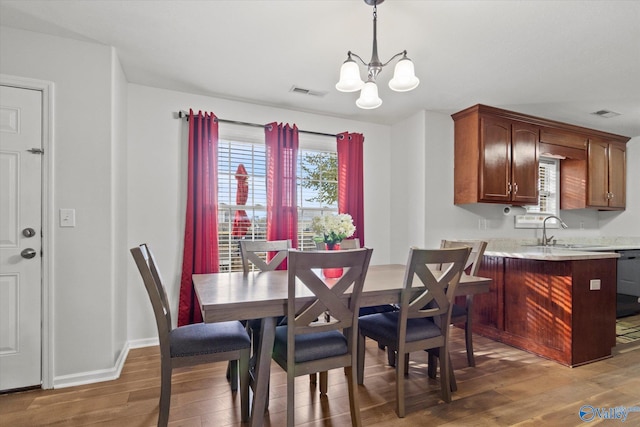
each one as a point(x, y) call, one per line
point(310, 346)
point(384, 327)
point(386, 308)
point(208, 338)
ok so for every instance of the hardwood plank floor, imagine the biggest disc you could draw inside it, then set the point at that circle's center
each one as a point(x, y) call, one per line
point(507, 387)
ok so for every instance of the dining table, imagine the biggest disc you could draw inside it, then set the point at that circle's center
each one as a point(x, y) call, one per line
point(263, 295)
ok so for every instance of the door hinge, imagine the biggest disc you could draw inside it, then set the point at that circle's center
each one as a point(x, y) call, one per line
point(36, 150)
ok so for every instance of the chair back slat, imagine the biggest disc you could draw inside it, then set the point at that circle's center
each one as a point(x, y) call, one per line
point(346, 244)
point(474, 260)
point(251, 250)
point(152, 280)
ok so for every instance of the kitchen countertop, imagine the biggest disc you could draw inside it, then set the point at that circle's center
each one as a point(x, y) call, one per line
point(574, 249)
point(551, 254)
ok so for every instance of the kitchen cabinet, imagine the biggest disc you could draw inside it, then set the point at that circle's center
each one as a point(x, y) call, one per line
point(548, 307)
point(606, 184)
point(599, 180)
point(496, 160)
point(496, 156)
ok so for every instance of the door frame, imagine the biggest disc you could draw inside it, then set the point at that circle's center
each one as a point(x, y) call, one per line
point(47, 311)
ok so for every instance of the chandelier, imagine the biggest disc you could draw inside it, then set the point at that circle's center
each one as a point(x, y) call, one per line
point(404, 77)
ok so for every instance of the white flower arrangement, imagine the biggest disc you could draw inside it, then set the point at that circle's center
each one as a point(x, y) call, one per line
point(331, 229)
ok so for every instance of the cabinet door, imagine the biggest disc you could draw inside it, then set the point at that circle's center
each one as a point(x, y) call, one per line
point(524, 163)
point(598, 174)
point(495, 161)
point(617, 175)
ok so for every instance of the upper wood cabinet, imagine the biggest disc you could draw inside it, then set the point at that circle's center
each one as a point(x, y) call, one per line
point(606, 183)
point(496, 160)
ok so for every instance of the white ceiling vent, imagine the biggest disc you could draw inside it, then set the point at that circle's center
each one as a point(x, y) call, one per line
point(605, 113)
point(303, 91)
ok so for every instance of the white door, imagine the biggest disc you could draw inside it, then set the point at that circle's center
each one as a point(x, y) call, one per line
point(20, 237)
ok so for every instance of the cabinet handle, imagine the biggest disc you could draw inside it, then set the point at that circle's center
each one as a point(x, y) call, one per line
point(509, 188)
point(515, 188)
point(611, 195)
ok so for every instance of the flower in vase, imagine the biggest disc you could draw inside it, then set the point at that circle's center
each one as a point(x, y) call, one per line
point(331, 229)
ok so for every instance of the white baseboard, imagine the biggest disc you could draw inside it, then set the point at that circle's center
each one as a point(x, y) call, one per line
point(103, 374)
point(144, 342)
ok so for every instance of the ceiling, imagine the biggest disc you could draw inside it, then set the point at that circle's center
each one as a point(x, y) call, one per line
point(560, 60)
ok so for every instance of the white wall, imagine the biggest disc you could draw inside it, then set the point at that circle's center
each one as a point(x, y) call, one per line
point(83, 280)
point(157, 186)
point(408, 178)
point(119, 242)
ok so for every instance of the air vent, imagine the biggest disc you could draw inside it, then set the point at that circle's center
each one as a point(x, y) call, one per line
point(605, 113)
point(303, 91)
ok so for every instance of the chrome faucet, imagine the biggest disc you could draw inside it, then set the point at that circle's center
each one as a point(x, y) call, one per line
point(545, 240)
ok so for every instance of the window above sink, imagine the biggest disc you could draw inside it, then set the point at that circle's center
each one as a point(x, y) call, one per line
point(548, 197)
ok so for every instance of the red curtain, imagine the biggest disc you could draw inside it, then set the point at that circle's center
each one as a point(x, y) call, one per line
point(282, 165)
point(350, 179)
point(201, 225)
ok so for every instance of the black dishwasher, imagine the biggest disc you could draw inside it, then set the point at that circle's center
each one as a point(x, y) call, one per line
point(628, 283)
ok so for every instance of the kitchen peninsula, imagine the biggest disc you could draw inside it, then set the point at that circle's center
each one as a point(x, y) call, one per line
point(558, 303)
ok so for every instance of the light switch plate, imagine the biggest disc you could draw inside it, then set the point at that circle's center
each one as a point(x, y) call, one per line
point(594, 284)
point(67, 217)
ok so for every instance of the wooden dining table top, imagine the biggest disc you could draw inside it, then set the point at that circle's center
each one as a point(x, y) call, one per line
point(236, 296)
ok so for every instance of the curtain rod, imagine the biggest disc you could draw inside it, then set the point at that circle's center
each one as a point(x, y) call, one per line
point(184, 114)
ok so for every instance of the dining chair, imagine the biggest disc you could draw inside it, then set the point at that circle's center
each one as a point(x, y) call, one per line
point(462, 312)
point(255, 252)
point(307, 344)
point(191, 344)
point(423, 319)
point(255, 255)
point(345, 244)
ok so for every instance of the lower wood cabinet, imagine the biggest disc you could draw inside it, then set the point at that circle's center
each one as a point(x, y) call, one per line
point(547, 307)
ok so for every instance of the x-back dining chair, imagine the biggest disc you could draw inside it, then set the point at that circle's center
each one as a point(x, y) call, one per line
point(345, 244)
point(424, 317)
point(255, 253)
point(462, 313)
point(191, 344)
point(251, 250)
point(306, 345)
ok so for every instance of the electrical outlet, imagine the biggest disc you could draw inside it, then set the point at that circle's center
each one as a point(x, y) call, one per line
point(594, 284)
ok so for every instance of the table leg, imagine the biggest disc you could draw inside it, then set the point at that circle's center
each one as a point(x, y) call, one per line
point(262, 371)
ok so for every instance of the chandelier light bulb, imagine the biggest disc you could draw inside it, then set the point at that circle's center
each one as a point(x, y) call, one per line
point(404, 76)
point(350, 80)
point(369, 96)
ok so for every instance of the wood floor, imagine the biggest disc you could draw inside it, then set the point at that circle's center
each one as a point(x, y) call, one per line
point(508, 387)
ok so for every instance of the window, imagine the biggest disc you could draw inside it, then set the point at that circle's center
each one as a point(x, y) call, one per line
point(547, 187)
point(548, 196)
point(317, 190)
